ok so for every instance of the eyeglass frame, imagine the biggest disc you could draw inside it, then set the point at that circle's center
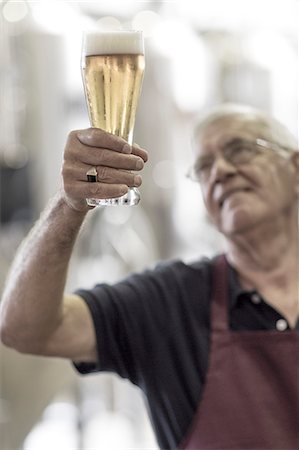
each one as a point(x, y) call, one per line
point(283, 151)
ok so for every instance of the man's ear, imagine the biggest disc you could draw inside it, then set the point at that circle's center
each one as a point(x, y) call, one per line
point(295, 159)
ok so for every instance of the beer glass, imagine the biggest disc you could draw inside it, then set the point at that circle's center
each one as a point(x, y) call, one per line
point(112, 68)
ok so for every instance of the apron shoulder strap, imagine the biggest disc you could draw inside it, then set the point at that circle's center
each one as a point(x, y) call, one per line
point(219, 297)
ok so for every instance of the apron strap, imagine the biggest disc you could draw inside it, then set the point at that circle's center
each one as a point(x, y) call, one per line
point(220, 299)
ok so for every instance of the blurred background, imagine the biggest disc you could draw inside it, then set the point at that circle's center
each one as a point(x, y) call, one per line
point(198, 54)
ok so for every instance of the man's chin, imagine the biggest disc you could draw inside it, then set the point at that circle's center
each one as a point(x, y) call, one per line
point(236, 222)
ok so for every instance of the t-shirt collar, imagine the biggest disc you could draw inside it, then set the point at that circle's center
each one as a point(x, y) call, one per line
point(236, 290)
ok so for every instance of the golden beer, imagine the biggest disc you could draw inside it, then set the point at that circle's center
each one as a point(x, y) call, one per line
point(112, 71)
point(112, 86)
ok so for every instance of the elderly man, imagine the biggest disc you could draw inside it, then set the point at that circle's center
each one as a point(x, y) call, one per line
point(214, 344)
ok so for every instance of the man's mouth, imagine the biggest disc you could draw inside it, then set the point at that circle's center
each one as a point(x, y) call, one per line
point(230, 193)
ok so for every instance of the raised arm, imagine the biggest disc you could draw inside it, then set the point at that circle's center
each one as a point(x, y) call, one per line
point(36, 316)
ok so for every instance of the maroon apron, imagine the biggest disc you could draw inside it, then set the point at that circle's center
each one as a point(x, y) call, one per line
point(251, 394)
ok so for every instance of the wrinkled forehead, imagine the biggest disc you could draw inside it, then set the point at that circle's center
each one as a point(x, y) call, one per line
point(217, 134)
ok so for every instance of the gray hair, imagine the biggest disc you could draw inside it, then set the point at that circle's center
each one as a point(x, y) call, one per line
point(270, 127)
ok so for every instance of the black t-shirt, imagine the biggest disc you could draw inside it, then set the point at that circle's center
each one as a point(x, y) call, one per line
point(154, 329)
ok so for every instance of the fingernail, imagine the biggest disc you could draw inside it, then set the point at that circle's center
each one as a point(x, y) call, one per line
point(137, 180)
point(123, 190)
point(127, 148)
point(139, 164)
point(83, 137)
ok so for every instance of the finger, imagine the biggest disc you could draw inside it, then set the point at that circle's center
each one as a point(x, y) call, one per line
point(96, 137)
point(109, 175)
point(83, 190)
point(105, 157)
point(138, 151)
point(117, 176)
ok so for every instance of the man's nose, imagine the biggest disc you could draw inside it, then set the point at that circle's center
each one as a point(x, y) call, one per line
point(222, 169)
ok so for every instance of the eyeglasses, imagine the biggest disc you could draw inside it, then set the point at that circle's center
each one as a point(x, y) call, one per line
point(237, 152)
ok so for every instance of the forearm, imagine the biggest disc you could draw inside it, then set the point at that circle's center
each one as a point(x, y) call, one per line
point(31, 306)
point(33, 317)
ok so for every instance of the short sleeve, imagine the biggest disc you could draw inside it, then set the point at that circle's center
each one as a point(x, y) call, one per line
point(131, 318)
point(153, 328)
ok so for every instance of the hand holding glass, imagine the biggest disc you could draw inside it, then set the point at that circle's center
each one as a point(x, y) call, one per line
point(112, 71)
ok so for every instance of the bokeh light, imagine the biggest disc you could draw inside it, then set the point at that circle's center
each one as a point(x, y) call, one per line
point(108, 23)
point(164, 174)
point(15, 11)
point(146, 21)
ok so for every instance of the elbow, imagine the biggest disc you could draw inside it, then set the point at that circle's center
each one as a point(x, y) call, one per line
point(6, 337)
point(21, 342)
point(6, 332)
point(11, 335)
point(10, 338)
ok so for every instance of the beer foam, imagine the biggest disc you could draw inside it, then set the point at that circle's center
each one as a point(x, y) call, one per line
point(113, 43)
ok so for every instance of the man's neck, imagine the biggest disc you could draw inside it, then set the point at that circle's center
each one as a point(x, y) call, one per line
point(267, 246)
point(267, 260)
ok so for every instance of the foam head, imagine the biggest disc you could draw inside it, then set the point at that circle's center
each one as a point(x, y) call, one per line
point(113, 43)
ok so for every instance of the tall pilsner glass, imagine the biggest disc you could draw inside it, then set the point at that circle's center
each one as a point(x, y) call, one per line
point(112, 71)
